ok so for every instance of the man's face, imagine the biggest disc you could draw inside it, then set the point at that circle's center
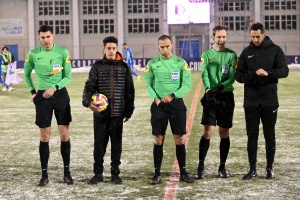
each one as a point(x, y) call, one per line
point(220, 38)
point(257, 37)
point(46, 40)
point(165, 48)
point(5, 50)
point(110, 51)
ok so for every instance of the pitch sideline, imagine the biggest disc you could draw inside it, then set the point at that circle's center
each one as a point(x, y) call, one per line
point(170, 190)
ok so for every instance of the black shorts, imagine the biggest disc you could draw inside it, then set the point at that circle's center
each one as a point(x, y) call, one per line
point(175, 112)
point(59, 103)
point(222, 113)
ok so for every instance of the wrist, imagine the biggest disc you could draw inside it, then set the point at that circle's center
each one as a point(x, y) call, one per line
point(173, 95)
point(33, 92)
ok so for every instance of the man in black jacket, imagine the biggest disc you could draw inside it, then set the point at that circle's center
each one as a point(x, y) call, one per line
point(110, 76)
point(260, 66)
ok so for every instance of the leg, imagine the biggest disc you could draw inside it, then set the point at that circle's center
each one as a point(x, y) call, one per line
point(65, 149)
point(269, 118)
point(224, 150)
point(44, 154)
point(204, 144)
point(62, 111)
point(115, 132)
point(159, 123)
point(252, 116)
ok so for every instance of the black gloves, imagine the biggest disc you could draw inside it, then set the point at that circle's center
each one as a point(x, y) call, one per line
point(209, 98)
point(217, 90)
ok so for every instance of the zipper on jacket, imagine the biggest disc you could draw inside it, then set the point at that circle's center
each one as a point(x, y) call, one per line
point(112, 90)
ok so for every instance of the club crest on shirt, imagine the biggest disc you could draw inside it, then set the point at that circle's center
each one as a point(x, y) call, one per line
point(27, 59)
point(175, 76)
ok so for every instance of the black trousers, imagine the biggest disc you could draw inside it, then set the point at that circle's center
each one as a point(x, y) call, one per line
point(268, 117)
point(105, 128)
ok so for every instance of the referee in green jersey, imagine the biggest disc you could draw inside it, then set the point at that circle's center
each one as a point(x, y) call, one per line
point(52, 67)
point(168, 78)
point(218, 68)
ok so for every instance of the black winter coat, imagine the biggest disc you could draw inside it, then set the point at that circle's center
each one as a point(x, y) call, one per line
point(261, 90)
point(113, 79)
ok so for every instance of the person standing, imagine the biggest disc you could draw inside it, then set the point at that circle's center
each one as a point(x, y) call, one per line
point(110, 76)
point(260, 66)
point(53, 72)
point(7, 58)
point(130, 61)
point(218, 68)
point(168, 78)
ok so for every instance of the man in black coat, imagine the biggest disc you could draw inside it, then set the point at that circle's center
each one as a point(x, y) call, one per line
point(110, 76)
point(260, 66)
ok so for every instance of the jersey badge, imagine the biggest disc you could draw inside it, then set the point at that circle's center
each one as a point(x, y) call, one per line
point(68, 60)
point(186, 67)
point(27, 59)
point(147, 69)
point(202, 61)
point(235, 64)
point(175, 76)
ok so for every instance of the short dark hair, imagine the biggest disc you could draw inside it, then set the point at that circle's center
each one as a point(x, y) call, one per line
point(45, 28)
point(4, 48)
point(163, 37)
point(219, 28)
point(110, 39)
point(124, 43)
point(257, 26)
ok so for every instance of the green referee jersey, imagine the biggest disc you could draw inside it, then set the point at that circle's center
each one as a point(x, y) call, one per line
point(166, 76)
point(218, 67)
point(52, 67)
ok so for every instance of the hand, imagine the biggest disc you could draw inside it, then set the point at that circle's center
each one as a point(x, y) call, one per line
point(162, 105)
point(261, 72)
point(167, 99)
point(210, 95)
point(48, 93)
point(32, 97)
point(126, 119)
point(93, 107)
point(218, 90)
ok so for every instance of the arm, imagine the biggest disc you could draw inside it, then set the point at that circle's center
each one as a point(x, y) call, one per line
point(230, 80)
point(90, 87)
point(280, 69)
point(149, 78)
point(242, 74)
point(186, 81)
point(28, 67)
point(204, 65)
point(66, 72)
point(129, 94)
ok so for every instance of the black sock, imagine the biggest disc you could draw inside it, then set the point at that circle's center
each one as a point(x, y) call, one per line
point(65, 149)
point(203, 148)
point(224, 149)
point(253, 166)
point(158, 156)
point(181, 154)
point(44, 157)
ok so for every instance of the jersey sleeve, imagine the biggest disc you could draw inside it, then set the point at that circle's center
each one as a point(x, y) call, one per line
point(232, 69)
point(186, 81)
point(28, 67)
point(204, 65)
point(67, 70)
point(149, 79)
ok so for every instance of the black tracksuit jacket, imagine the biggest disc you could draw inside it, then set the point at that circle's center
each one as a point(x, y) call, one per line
point(261, 90)
point(113, 79)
